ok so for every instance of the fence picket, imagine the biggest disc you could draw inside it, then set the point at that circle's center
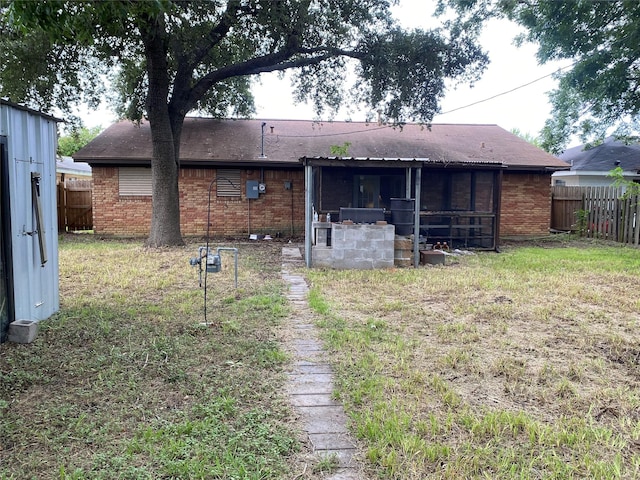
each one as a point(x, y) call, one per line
point(606, 212)
point(75, 210)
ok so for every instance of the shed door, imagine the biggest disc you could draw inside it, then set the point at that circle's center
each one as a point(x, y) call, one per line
point(5, 266)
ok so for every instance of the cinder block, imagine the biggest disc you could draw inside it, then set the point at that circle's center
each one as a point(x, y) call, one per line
point(23, 331)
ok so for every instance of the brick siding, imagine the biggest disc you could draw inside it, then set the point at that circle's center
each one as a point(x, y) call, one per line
point(272, 213)
point(526, 204)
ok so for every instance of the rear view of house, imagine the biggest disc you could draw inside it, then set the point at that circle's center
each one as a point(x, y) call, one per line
point(477, 181)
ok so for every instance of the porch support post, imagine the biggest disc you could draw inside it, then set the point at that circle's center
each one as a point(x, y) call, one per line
point(416, 219)
point(407, 183)
point(308, 213)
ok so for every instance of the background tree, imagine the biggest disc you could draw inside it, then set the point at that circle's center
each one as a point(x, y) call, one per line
point(78, 138)
point(526, 136)
point(600, 94)
point(167, 58)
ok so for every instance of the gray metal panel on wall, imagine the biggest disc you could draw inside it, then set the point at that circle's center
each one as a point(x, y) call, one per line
point(31, 145)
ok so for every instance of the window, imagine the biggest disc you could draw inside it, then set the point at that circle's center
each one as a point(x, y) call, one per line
point(228, 183)
point(134, 181)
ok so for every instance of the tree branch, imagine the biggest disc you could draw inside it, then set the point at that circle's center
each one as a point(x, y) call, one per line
point(186, 67)
point(274, 62)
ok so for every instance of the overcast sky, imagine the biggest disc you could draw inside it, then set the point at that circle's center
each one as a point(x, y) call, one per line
point(526, 108)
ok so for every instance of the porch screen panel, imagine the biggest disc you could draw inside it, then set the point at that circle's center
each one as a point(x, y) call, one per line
point(435, 191)
point(458, 191)
point(461, 191)
point(134, 181)
point(228, 183)
point(484, 187)
point(336, 189)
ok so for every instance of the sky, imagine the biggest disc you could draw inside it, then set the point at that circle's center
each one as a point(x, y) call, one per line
point(525, 109)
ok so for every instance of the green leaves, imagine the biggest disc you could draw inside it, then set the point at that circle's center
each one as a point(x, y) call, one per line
point(213, 49)
point(403, 73)
point(70, 144)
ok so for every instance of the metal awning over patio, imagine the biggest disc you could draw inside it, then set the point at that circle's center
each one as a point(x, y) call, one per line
point(409, 164)
point(413, 172)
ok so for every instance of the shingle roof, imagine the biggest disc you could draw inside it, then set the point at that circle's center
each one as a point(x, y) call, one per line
point(208, 141)
point(66, 164)
point(603, 158)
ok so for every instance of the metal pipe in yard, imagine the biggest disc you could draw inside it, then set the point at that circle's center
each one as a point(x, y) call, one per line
point(308, 201)
point(416, 219)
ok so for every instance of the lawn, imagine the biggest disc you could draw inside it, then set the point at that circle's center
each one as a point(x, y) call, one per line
point(126, 382)
point(523, 364)
point(520, 364)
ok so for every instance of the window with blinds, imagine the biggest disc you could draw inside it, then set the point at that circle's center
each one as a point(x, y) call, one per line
point(228, 183)
point(134, 181)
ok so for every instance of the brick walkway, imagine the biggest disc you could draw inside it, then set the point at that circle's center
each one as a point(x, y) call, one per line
point(311, 380)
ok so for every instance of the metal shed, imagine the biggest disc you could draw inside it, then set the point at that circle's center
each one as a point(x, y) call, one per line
point(29, 287)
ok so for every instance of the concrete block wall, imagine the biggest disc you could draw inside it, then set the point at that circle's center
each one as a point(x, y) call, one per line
point(277, 211)
point(357, 247)
point(525, 204)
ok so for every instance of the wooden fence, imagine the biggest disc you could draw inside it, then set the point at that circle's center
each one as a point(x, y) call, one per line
point(596, 212)
point(74, 206)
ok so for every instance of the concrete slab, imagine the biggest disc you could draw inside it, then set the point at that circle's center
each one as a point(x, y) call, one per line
point(324, 419)
point(305, 350)
point(317, 356)
point(311, 368)
point(309, 343)
point(311, 378)
point(346, 457)
point(310, 388)
point(313, 400)
point(310, 384)
point(331, 441)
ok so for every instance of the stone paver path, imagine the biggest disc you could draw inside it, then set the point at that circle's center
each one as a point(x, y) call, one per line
point(311, 380)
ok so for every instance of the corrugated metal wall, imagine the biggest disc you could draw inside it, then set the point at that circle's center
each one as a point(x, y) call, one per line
point(31, 141)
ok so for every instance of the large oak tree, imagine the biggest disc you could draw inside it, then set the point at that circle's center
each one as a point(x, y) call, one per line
point(168, 58)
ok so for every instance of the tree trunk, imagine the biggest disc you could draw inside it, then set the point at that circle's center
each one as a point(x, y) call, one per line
point(165, 214)
point(165, 136)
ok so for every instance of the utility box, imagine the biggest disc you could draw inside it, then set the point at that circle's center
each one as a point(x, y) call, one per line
point(253, 189)
point(29, 289)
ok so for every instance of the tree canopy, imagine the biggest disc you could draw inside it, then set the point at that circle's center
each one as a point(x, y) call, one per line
point(78, 138)
point(168, 58)
point(600, 94)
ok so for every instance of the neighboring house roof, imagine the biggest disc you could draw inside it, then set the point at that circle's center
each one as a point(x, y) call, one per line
point(67, 166)
point(212, 142)
point(604, 157)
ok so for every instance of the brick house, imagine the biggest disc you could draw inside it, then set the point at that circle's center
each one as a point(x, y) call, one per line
point(477, 181)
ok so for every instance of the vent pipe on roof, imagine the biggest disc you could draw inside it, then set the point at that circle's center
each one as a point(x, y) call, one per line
point(262, 155)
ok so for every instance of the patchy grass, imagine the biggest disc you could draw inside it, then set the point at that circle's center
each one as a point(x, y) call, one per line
point(126, 381)
point(523, 364)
